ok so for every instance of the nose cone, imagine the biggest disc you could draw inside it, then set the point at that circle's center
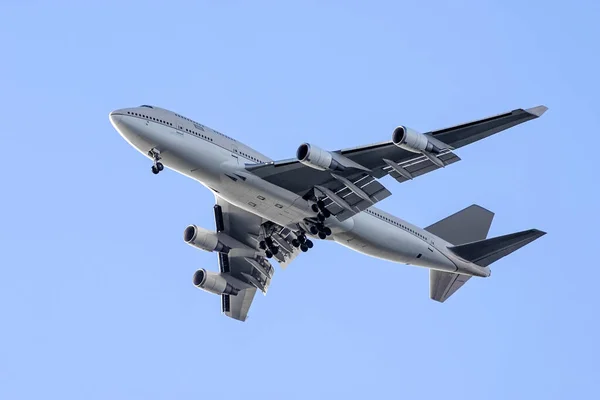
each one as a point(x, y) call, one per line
point(115, 118)
point(131, 128)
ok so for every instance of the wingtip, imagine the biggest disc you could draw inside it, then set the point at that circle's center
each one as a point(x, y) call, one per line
point(537, 111)
point(538, 233)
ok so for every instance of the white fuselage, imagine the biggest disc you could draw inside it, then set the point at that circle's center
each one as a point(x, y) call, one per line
point(217, 161)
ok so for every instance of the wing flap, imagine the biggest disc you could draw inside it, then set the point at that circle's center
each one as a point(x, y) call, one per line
point(420, 165)
point(237, 307)
point(352, 202)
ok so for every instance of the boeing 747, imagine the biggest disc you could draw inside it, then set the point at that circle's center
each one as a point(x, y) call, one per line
point(274, 210)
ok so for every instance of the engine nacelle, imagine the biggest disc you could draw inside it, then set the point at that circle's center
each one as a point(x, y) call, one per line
point(317, 158)
point(213, 282)
point(203, 239)
point(413, 141)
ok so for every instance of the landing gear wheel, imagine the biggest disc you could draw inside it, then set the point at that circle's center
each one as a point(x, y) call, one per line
point(309, 244)
point(155, 170)
point(295, 243)
point(321, 204)
point(304, 248)
point(315, 208)
point(274, 250)
point(320, 217)
point(268, 254)
point(314, 230)
point(327, 231)
point(160, 166)
point(326, 213)
point(262, 245)
point(322, 235)
point(269, 241)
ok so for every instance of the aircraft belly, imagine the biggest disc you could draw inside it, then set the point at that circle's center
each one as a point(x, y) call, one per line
point(376, 238)
point(263, 199)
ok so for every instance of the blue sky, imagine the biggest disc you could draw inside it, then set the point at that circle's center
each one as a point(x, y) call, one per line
point(96, 299)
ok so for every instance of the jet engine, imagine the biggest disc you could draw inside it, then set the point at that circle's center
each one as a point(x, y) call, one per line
point(213, 282)
point(413, 141)
point(317, 158)
point(203, 239)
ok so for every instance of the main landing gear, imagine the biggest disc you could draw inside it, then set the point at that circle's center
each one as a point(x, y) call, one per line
point(320, 230)
point(269, 246)
point(302, 242)
point(322, 212)
point(157, 166)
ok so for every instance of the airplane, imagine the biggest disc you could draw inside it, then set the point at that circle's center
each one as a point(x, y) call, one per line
point(267, 209)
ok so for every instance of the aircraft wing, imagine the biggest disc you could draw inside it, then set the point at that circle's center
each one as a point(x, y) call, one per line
point(255, 270)
point(382, 159)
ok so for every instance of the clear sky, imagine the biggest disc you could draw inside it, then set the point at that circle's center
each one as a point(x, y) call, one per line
point(96, 299)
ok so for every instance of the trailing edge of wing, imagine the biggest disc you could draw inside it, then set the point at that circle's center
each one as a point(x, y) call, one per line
point(237, 307)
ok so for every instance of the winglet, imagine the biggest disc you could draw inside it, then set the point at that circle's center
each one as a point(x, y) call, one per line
point(537, 111)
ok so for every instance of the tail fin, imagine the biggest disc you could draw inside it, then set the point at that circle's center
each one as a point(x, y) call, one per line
point(468, 225)
point(471, 226)
point(485, 252)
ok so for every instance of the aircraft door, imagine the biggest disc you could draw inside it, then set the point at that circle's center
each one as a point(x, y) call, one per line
point(235, 154)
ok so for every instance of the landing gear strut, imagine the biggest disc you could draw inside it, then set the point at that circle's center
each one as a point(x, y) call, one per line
point(157, 165)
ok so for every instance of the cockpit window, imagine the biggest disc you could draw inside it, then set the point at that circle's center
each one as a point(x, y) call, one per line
point(147, 106)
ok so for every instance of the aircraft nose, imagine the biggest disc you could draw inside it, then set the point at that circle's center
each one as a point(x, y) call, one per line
point(115, 118)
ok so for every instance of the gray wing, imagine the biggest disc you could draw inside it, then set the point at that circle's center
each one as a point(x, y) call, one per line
point(385, 158)
point(254, 270)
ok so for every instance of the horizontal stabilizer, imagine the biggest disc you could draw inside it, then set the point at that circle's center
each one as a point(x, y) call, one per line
point(468, 225)
point(485, 252)
point(443, 284)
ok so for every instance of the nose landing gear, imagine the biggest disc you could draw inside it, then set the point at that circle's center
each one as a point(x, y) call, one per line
point(157, 166)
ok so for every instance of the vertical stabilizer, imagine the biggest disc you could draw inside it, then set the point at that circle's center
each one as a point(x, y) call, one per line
point(468, 225)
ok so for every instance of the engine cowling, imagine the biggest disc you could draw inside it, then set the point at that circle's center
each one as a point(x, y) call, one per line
point(213, 282)
point(203, 239)
point(413, 141)
point(317, 158)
